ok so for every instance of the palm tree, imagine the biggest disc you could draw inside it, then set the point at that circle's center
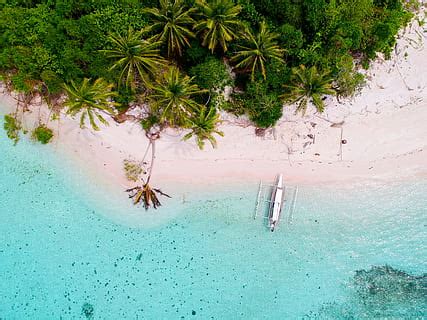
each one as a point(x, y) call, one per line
point(203, 126)
point(171, 23)
point(259, 49)
point(308, 85)
point(90, 99)
point(172, 97)
point(219, 23)
point(146, 194)
point(135, 58)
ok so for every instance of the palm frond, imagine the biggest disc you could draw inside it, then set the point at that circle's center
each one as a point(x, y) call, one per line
point(260, 48)
point(219, 23)
point(90, 98)
point(172, 96)
point(171, 23)
point(136, 58)
point(203, 127)
point(308, 85)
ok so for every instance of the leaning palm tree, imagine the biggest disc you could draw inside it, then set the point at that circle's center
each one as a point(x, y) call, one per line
point(171, 23)
point(172, 97)
point(259, 49)
point(90, 99)
point(308, 85)
point(145, 193)
point(203, 126)
point(219, 23)
point(135, 58)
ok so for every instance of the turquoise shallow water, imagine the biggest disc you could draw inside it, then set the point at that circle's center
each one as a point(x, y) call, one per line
point(61, 256)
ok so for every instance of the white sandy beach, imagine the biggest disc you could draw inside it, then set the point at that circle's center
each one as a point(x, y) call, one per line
point(385, 127)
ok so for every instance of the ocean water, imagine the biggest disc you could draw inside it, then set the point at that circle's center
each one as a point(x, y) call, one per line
point(347, 252)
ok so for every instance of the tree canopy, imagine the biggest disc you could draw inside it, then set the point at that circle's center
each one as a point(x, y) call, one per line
point(173, 59)
point(53, 46)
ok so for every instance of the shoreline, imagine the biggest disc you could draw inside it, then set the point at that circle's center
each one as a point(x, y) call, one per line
point(384, 127)
point(100, 157)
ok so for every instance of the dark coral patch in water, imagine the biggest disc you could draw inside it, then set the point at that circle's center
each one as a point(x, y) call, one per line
point(88, 310)
point(380, 292)
point(387, 284)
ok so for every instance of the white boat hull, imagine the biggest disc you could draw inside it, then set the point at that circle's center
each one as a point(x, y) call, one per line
point(276, 203)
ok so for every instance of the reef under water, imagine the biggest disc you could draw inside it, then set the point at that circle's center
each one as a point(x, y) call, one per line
point(88, 310)
point(389, 285)
point(380, 292)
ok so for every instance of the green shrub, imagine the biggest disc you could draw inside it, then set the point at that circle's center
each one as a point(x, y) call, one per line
point(389, 4)
point(52, 81)
point(267, 111)
point(12, 127)
point(348, 80)
point(42, 134)
point(249, 12)
point(277, 75)
point(234, 106)
point(195, 54)
point(315, 16)
point(211, 74)
point(281, 11)
point(262, 106)
point(382, 35)
point(347, 36)
point(21, 82)
point(125, 97)
point(313, 55)
point(291, 38)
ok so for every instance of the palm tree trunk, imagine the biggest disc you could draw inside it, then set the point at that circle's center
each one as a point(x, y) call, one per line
point(145, 153)
point(153, 157)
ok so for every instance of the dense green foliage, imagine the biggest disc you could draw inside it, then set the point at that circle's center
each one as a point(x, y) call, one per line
point(131, 44)
point(62, 37)
point(42, 134)
point(211, 74)
point(263, 106)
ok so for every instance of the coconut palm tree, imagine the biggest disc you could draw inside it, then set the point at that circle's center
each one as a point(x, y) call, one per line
point(90, 99)
point(308, 85)
point(172, 97)
point(135, 58)
point(144, 193)
point(219, 23)
point(259, 49)
point(172, 23)
point(203, 126)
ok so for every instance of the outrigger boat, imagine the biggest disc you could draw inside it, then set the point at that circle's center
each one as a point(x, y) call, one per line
point(276, 203)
